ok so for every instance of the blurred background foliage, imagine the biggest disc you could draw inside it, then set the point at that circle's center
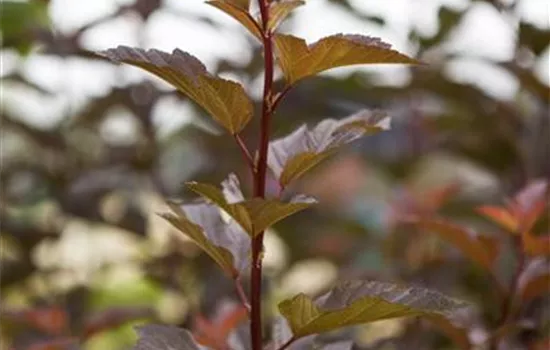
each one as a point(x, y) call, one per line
point(91, 150)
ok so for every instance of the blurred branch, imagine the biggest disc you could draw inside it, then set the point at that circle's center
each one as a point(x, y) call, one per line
point(48, 139)
point(18, 78)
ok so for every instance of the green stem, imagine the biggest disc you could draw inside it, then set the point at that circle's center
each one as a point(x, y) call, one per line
point(259, 182)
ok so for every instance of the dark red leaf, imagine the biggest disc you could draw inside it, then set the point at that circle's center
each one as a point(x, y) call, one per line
point(53, 320)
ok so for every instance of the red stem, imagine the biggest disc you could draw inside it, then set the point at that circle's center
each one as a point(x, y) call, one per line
point(242, 295)
point(287, 344)
point(509, 303)
point(280, 96)
point(259, 182)
point(246, 154)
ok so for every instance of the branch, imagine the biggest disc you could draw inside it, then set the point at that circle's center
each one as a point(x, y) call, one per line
point(247, 156)
point(280, 97)
point(287, 343)
point(260, 180)
point(509, 303)
point(242, 295)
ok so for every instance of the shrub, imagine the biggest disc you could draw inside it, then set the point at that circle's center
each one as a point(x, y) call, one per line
point(236, 244)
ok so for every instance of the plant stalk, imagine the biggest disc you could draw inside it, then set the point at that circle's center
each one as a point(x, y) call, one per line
point(242, 295)
point(287, 344)
point(260, 180)
point(509, 302)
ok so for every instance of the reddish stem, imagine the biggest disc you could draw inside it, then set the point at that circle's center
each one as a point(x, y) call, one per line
point(242, 295)
point(280, 96)
point(246, 154)
point(509, 303)
point(287, 344)
point(259, 182)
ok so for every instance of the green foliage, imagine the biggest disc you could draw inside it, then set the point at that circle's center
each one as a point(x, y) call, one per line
point(497, 255)
point(225, 100)
point(481, 249)
point(240, 14)
point(280, 10)
point(292, 156)
point(254, 215)
point(359, 302)
point(299, 60)
point(19, 19)
point(226, 244)
point(289, 158)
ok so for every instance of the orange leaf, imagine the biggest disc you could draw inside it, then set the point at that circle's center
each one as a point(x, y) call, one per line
point(530, 217)
point(536, 287)
point(543, 344)
point(458, 335)
point(500, 216)
point(299, 60)
point(536, 245)
point(226, 101)
point(482, 250)
point(52, 319)
point(435, 198)
point(215, 334)
point(207, 334)
point(240, 14)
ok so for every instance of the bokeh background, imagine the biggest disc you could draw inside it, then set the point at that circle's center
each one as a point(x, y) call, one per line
point(90, 150)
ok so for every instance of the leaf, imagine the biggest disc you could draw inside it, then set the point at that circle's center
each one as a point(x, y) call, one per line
point(540, 344)
point(292, 156)
point(254, 215)
point(500, 216)
point(244, 4)
point(529, 204)
point(299, 60)
point(231, 206)
point(359, 302)
point(215, 334)
point(481, 249)
point(280, 10)
point(157, 337)
point(240, 14)
point(536, 245)
point(458, 335)
point(521, 214)
point(267, 212)
point(281, 332)
point(226, 101)
point(537, 287)
point(226, 243)
point(535, 279)
point(50, 319)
